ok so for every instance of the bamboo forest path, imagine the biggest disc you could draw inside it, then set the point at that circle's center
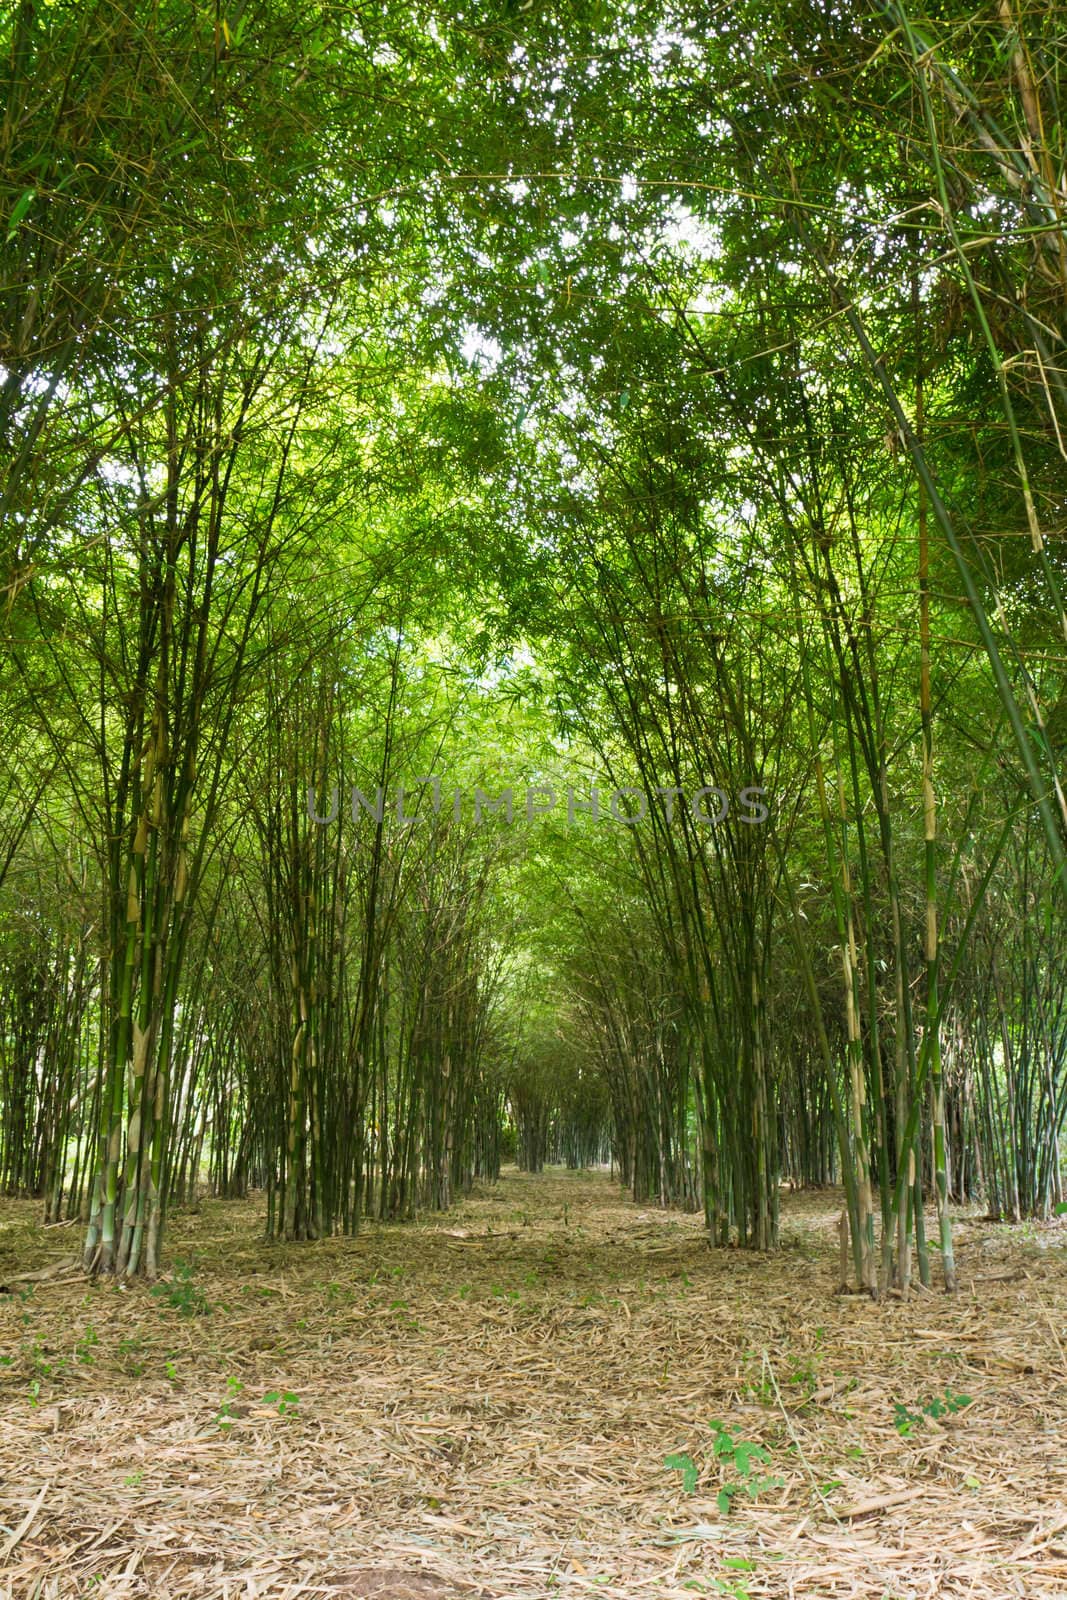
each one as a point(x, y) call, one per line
point(482, 1404)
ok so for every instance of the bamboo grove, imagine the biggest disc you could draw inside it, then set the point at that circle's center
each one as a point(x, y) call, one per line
point(532, 569)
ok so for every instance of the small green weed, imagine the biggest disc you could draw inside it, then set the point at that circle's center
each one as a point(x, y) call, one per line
point(680, 1462)
point(288, 1404)
point(84, 1347)
point(182, 1293)
point(43, 1361)
point(225, 1415)
point(939, 1406)
point(743, 1457)
point(129, 1350)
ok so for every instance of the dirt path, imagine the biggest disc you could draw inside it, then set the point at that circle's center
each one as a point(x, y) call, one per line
point(483, 1404)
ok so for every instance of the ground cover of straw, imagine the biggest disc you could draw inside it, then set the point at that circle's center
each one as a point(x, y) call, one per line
point(484, 1401)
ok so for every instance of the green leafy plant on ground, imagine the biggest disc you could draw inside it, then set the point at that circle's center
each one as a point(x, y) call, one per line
point(84, 1347)
point(733, 1587)
point(182, 1293)
point(905, 1420)
point(741, 1459)
point(287, 1402)
point(680, 1462)
point(225, 1414)
point(799, 1370)
point(44, 1365)
point(129, 1351)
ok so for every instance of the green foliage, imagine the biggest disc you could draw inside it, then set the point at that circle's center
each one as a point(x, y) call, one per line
point(679, 1462)
point(333, 450)
point(83, 1349)
point(186, 1297)
point(740, 1459)
point(287, 1403)
point(225, 1414)
point(43, 1362)
point(905, 1420)
point(799, 1372)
